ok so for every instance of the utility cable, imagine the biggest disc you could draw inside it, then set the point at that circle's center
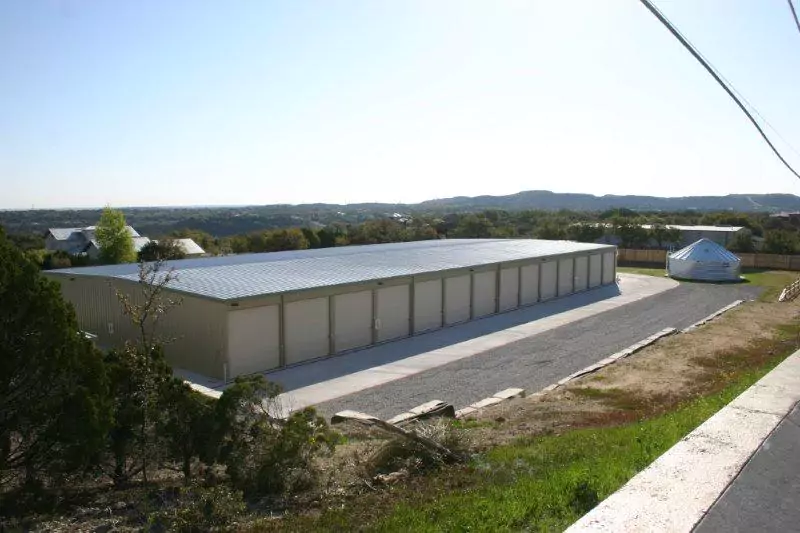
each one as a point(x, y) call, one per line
point(733, 88)
point(794, 14)
point(655, 11)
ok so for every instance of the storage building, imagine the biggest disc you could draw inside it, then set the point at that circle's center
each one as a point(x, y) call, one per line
point(704, 260)
point(256, 312)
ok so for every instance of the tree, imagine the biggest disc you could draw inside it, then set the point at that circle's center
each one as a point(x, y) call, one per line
point(743, 242)
point(139, 375)
point(263, 451)
point(57, 259)
point(185, 425)
point(377, 232)
point(780, 242)
point(631, 234)
point(54, 410)
point(474, 227)
point(312, 237)
point(285, 239)
point(163, 250)
point(116, 243)
point(549, 230)
point(664, 235)
point(585, 232)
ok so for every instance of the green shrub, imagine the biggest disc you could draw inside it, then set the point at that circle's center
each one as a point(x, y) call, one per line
point(263, 452)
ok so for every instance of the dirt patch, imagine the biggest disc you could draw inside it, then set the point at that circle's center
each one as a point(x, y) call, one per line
point(655, 379)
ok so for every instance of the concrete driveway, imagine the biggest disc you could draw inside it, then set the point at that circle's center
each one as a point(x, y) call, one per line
point(529, 348)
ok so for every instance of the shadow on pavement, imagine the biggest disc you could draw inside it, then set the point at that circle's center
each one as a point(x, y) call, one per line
point(320, 370)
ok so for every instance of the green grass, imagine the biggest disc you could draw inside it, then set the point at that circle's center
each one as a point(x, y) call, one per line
point(773, 281)
point(646, 271)
point(546, 483)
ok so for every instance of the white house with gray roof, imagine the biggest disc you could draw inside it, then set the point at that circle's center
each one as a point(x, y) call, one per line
point(82, 241)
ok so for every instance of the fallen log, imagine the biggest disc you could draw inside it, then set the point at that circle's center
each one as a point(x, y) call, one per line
point(369, 420)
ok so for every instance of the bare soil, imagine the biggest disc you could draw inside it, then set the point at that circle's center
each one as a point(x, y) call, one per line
point(674, 369)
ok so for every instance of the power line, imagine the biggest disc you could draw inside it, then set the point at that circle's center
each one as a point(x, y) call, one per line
point(732, 87)
point(654, 10)
point(794, 14)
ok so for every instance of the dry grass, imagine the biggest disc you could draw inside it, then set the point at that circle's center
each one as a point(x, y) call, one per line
point(656, 379)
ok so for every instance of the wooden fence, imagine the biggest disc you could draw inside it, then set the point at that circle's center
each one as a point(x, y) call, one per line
point(790, 292)
point(659, 257)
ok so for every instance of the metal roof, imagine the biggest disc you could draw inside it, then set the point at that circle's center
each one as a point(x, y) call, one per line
point(721, 229)
point(705, 250)
point(189, 247)
point(249, 275)
point(704, 260)
point(62, 234)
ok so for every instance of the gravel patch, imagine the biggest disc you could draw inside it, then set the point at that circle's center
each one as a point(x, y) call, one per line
point(537, 361)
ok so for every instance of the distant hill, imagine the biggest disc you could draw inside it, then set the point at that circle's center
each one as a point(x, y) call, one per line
point(230, 220)
point(586, 202)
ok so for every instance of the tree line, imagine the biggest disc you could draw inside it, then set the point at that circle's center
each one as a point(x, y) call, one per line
point(780, 235)
point(71, 414)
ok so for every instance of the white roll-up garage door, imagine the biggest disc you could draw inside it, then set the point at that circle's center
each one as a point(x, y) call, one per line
point(595, 270)
point(609, 267)
point(392, 312)
point(306, 329)
point(509, 288)
point(484, 293)
point(253, 340)
point(427, 305)
point(456, 299)
point(565, 273)
point(352, 320)
point(529, 293)
point(581, 273)
point(549, 280)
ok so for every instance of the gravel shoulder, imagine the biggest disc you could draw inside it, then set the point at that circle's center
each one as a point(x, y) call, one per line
point(537, 361)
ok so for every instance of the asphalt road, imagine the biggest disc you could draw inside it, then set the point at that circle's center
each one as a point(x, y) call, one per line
point(765, 495)
point(536, 362)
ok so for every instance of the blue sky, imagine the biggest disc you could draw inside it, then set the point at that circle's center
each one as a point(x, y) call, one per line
point(195, 102)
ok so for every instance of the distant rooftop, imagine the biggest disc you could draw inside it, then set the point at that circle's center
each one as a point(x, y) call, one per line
point(249, 275)
point(88, 232)
point(721, 229)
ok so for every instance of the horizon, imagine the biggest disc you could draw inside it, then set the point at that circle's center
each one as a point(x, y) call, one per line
point(234, 206)
point(264, 103)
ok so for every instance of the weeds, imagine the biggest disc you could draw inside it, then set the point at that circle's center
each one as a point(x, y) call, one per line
point(403, 454)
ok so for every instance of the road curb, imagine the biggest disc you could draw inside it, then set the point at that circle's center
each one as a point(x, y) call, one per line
point(712, 316)
point(611, 359)
point(502, 396)
point(630, 350)
point(676, 491)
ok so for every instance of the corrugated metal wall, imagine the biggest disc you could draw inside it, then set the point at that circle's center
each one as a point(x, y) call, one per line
point(254, 339)
point(194, 331)
point(509, 289)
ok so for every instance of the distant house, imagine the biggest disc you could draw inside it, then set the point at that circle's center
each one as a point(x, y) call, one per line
point(722, 235)
point(82, 241)
point(189, 247)
point(792, 216)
